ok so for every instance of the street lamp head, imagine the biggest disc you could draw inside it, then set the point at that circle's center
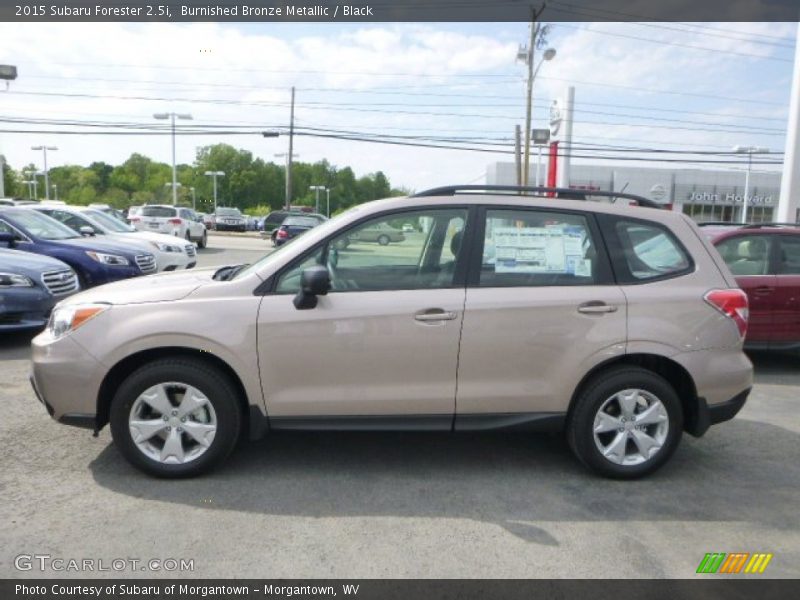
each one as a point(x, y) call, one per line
point(161, 116)
point(750, 150)
point(186, 116)
point(215, 173)
point(549, 54)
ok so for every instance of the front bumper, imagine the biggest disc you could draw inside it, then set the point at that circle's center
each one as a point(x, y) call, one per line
point(66, 379)
point(25, 308)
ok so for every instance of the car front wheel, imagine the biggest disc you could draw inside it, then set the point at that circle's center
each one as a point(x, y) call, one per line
point(175, 417)
point(384, 240)
point(626, 423)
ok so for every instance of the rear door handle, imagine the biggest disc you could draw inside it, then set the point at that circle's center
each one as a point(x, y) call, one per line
point(434, 314)
point(593, 308)
point(763, 290)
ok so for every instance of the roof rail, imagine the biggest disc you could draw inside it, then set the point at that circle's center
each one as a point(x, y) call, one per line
point(770, 224)
point(720, 224)
point(558, 193)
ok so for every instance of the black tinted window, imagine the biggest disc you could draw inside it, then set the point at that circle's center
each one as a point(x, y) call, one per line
point(158, 211)
point(789, 262)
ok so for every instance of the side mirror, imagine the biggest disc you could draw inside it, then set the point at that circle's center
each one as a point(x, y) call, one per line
point(8, 238)
point(85, 230)
point(314, 281)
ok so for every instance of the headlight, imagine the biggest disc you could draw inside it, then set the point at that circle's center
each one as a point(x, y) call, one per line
point(14, 280)
point(64, 319)
point(166, 247)
point(109, 259)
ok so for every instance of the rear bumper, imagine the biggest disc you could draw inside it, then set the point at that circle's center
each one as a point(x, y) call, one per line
point(708, 415)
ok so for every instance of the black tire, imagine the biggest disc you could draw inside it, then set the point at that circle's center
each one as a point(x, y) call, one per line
point(214, 384)
point(580, 434)
point(384, 240)
point(203, 241)
point(189, 237)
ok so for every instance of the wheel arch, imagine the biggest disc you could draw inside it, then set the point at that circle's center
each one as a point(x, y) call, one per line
point(253, 421)
point(675, 374)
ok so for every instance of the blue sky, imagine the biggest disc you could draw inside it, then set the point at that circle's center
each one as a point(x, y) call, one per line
point(703, 87)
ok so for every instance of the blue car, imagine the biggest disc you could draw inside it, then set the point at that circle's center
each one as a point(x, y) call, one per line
point(30, 285)
point(94, 262)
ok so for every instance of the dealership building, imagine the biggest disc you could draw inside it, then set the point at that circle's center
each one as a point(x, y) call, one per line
point(704, 194)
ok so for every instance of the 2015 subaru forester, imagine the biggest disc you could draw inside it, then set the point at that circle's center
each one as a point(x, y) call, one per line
point(617, 324)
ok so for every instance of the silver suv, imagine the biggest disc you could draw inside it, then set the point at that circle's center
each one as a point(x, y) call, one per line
point(619, 325)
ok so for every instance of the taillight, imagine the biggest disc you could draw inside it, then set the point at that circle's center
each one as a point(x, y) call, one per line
point(134, 219)
point(174, 221)
point(731, 303)
point(282, 233)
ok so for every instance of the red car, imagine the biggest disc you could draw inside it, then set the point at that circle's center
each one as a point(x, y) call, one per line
point(765, 259)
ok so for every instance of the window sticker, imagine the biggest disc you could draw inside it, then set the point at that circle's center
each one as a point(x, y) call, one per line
point(557, 249)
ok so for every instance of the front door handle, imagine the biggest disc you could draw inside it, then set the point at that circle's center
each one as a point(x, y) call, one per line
point(434, 314)
point(594, 308)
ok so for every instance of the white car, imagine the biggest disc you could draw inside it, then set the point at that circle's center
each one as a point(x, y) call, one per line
point(172, 220)
point(170, 254)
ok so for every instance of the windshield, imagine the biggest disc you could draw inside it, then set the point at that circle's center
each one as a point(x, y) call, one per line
point(42, 226)
point(324, 229)
point(108, 222)
point(229, 212)
point(157, 211)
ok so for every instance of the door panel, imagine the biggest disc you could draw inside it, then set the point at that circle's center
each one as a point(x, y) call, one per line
point(760, 290)
point(361, 353)
point(522, 349)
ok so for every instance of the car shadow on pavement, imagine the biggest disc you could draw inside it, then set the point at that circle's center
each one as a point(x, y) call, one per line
point(776, 368)
point(739, 471)
point(17, 345)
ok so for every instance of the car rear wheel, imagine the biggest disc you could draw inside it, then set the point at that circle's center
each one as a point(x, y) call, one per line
point(175, 417)
point(203, 241)
point(384, 240)
point(626, 424)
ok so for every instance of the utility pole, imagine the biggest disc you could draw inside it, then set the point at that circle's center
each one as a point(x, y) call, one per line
point(2, 176)
point(517, 156)
point(529, 107)
point(44, 149)
point(289, 155)
point(328, 198)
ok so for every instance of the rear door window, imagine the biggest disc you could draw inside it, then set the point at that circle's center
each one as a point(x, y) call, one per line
point(527, 247)
point(789, 260)
point(746, 254)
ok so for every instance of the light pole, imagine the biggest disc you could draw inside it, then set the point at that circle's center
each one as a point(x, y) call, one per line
point(55, 191)
point(749, 150)
point(33, 194)
point(317, 189)
point(172, 116)
point(44, 150)
point(214, 175)
point(328, 198)
point(194, 199)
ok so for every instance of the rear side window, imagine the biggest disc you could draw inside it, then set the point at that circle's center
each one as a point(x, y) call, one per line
point(158, 211)
point(650, 251)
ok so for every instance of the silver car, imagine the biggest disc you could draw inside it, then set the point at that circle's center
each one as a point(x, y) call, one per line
point(619, 326)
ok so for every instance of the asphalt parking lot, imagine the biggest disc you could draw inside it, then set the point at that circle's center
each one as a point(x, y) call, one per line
point(402, 505)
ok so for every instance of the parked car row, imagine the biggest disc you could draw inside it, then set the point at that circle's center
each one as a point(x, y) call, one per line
point(50, 250)
point(765, 260)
